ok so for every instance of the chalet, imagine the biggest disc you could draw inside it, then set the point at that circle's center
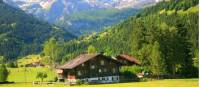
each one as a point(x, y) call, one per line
point(93, 68)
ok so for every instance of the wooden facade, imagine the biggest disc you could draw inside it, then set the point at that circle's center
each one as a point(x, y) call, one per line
point(91, 68)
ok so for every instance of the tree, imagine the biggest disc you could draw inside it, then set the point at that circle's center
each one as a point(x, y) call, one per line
point(41, 75)
point(196, 59)
point(49, 49)
point(3, 73)
point(12, 64)
point(157, 62)
point(91, 49)
point(144, 53)
point(137, 37)
point(2, 60)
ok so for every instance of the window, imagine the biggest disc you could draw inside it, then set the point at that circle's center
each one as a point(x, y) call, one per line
point(83, 64)
point(92, 67)
point(79, 73)
point(105, 70)
point(106, 78)
point(114, 70)
point(100, 78)
point(102, 62)
point(99, 70)
point(113, 78)
point(117, 78)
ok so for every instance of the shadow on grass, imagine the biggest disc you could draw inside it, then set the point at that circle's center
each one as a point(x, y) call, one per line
point(7, 82)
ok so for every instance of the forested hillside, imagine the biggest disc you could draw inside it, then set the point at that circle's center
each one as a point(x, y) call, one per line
point(81, 16)
point(86, 22)
point(22, 34)
point(163, 37)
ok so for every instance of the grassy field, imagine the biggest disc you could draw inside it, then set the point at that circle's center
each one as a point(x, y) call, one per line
point(28, 60)
point(19, 74)
point(159, 83)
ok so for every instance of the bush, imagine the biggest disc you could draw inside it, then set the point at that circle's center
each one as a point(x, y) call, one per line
point(3, 73)
point(129, 76)
point(131, 69)
point(81, 82)
point(129, 73)
point(41, 75)
point(55, 79)
point(192, 73)
point(12, 65)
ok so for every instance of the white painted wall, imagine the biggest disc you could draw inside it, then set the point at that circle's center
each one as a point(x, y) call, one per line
point(107, 79)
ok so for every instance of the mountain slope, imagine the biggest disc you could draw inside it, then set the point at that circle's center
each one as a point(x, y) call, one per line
point(21, 34)
point(87, 22)
point(69, 13)
point(174, 31)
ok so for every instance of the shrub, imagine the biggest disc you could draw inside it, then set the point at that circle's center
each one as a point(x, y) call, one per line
point(3, 73)
point(81, 82)
point(131, 69)
point(41, 75)
point(55, 79)
point(129, 73)
point(12, 65)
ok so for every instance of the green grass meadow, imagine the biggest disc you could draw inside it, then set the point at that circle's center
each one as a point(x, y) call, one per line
point(19, 74)
point(158, 83)
point(25, 79)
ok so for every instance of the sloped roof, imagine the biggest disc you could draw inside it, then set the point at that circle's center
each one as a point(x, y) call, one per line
point(129, 58)
point(85, 57)
point(77, 61)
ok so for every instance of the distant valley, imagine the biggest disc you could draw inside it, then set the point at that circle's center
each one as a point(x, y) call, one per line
point(81, 17)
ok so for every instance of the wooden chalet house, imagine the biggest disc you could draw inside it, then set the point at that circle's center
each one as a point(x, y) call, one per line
point(94, 68)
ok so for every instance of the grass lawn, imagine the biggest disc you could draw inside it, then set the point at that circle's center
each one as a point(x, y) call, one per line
point(19, 74)
point(159, 83)
point(28, 60)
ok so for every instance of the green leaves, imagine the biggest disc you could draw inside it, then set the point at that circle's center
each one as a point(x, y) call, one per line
point(157, 61)
point(50, 48)
point(3, 73)
point(91, 49)
point(41, 75)
point(2, 60)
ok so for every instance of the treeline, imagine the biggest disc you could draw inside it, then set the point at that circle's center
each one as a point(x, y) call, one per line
point(22, 34)
point(169, 5)
point(165, 40)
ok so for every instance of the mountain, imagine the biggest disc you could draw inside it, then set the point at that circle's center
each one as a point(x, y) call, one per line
point(87, 22)
point(166, 33)
point(22, 34)
point(78, 16)
point(71, 6)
